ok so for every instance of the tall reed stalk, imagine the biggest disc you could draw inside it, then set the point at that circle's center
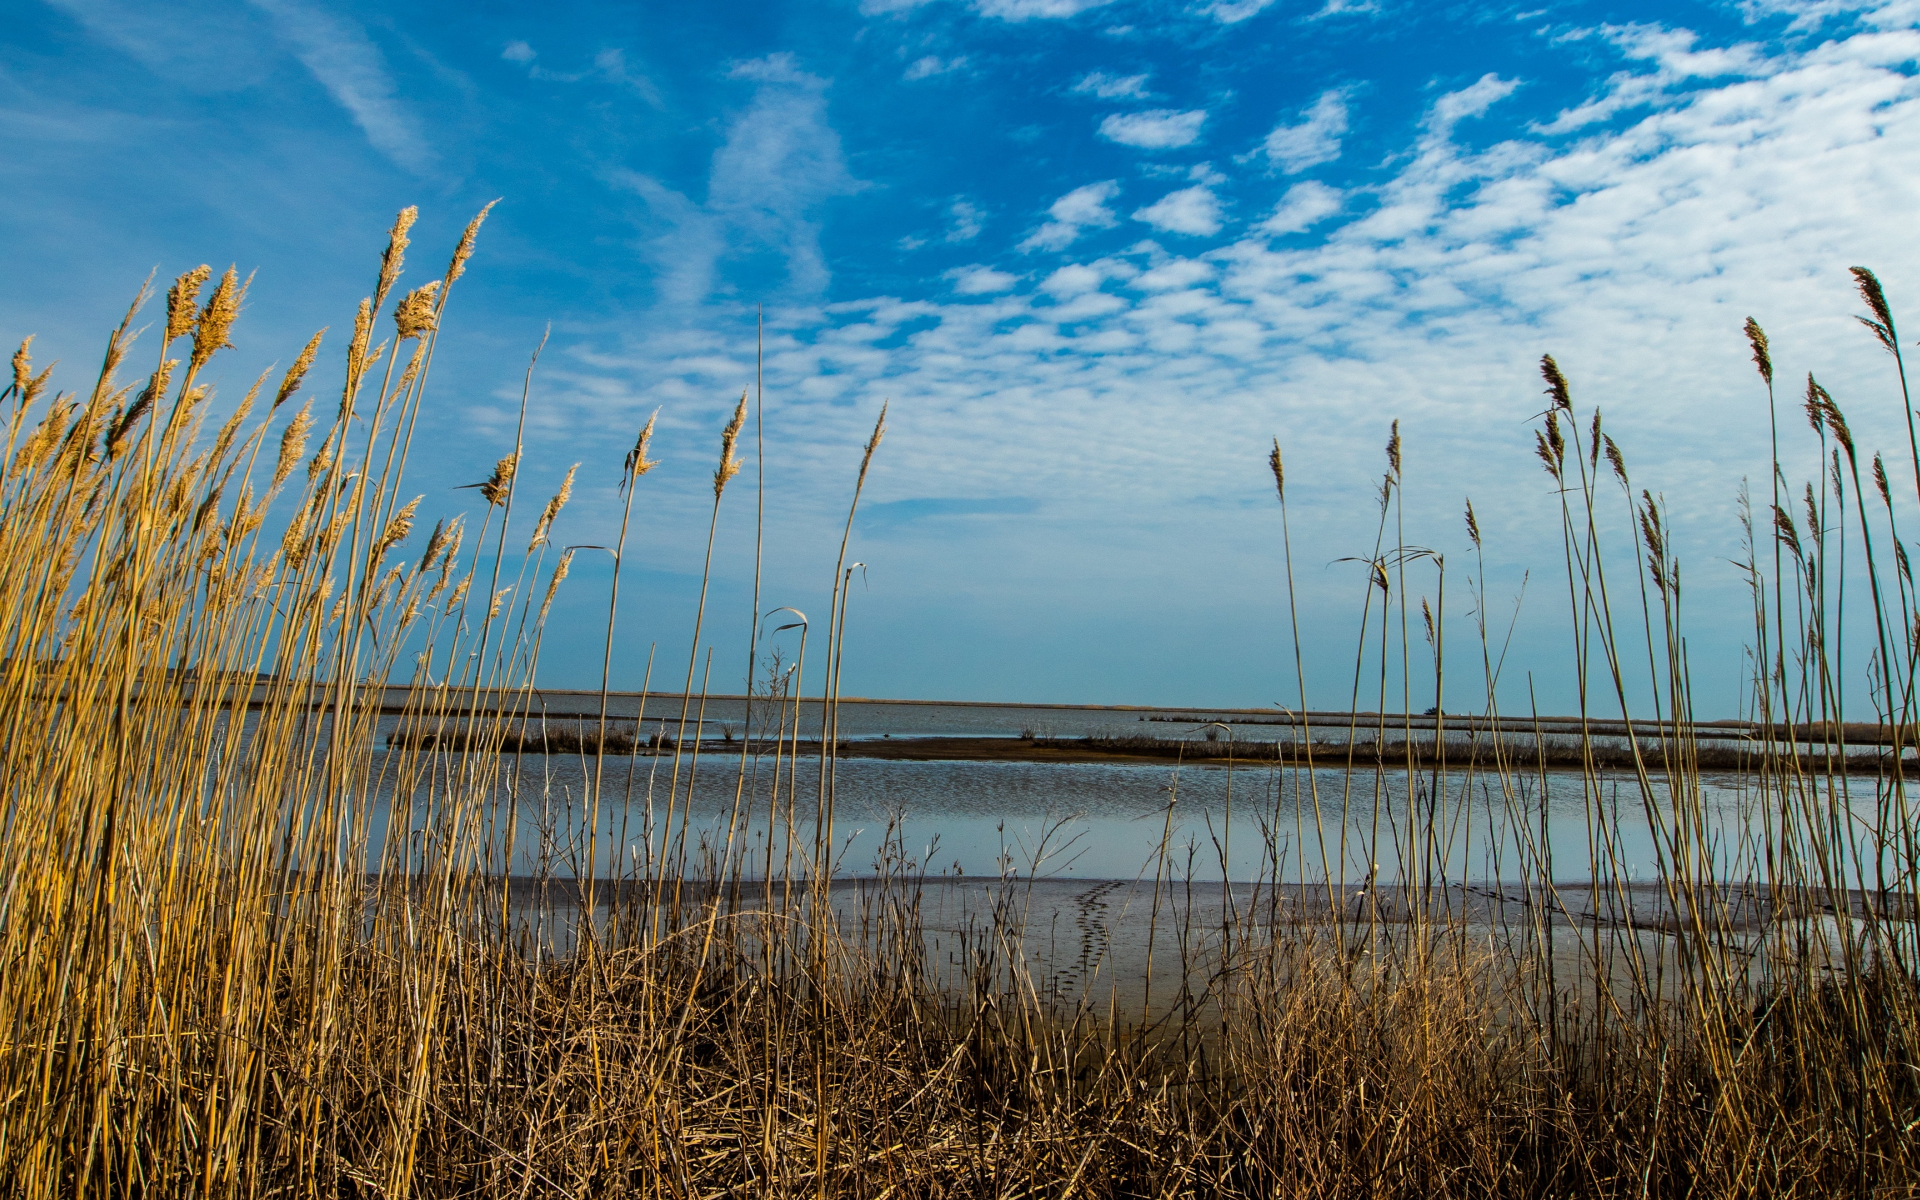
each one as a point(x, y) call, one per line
point(251, 952)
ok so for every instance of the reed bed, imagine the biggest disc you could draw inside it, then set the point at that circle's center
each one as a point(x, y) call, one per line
point(248, 954)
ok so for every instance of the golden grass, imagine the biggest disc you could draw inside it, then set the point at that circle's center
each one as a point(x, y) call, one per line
point(228, 973)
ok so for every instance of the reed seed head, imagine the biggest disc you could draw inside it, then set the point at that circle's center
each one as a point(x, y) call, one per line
point(1616, 460)
point(1279, 470)
point(1785, 532)
point(121, 427)
point(294, 543)
point(464, 250)
point(398, 528)
point(216, 319)
point(322, 461)
point(499, 485)
point(1556, 384)
point(411, 370)
point(547, 515)
point(1881, 323)
point(1547, 444)
point(396, 252)
point(1819, 399)
point(231, 429)
point(417, 313)
point(183, 301)
point(1426, 617)
point(23, 368)
point(36, 385)
point(435, 541)
point(729, 438)
point(873, 443)
point(357, 360)
point(1880, 482)
point(1393, 451)
point(1757, 341)
point(1655, 541)
point(1473, 526)
point(638, 463)
point(297, 373)
point(553, 585)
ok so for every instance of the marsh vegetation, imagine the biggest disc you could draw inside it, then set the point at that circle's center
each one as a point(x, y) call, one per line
point(227, 975)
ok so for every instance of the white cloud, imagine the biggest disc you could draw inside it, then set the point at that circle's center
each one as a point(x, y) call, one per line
point(1312, 140)
point(780, 162)
point(1470, 101)
point(779, 67)
point(1156, 129)
point(981, 281)
point(1304, 206)
point(1173, 275)
point(1676, 61)
point(1194, 211)
point(175, 41)
point(354, 72)
point(1086, 205)
point(1072, 280)
point(1632, 251)
point(931, 65)
point(1232, 12)
point(1006, 10)
point(518, 52)
point(967, 222)
point(1026, 10)
point(1082, 208)
point(1112, 87)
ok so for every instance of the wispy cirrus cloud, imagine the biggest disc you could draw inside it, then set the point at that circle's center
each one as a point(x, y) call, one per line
point(1028, 10)
point(928, 66)
point(1103, 86)
point(344, 59)
point(1005, 10)
point(1232, 12)
point(780, 162)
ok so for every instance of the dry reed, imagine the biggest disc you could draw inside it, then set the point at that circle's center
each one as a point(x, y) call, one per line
point(247, 955)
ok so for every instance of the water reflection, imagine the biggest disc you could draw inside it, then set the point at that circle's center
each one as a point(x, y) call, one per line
point(1092, 821)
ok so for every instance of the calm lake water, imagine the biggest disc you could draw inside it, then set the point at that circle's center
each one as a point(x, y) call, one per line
point(1086, 821)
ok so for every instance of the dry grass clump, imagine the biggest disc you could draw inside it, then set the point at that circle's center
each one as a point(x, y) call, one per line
point(249, 955)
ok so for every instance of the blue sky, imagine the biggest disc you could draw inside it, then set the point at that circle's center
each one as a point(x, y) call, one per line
point(1095, 254)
